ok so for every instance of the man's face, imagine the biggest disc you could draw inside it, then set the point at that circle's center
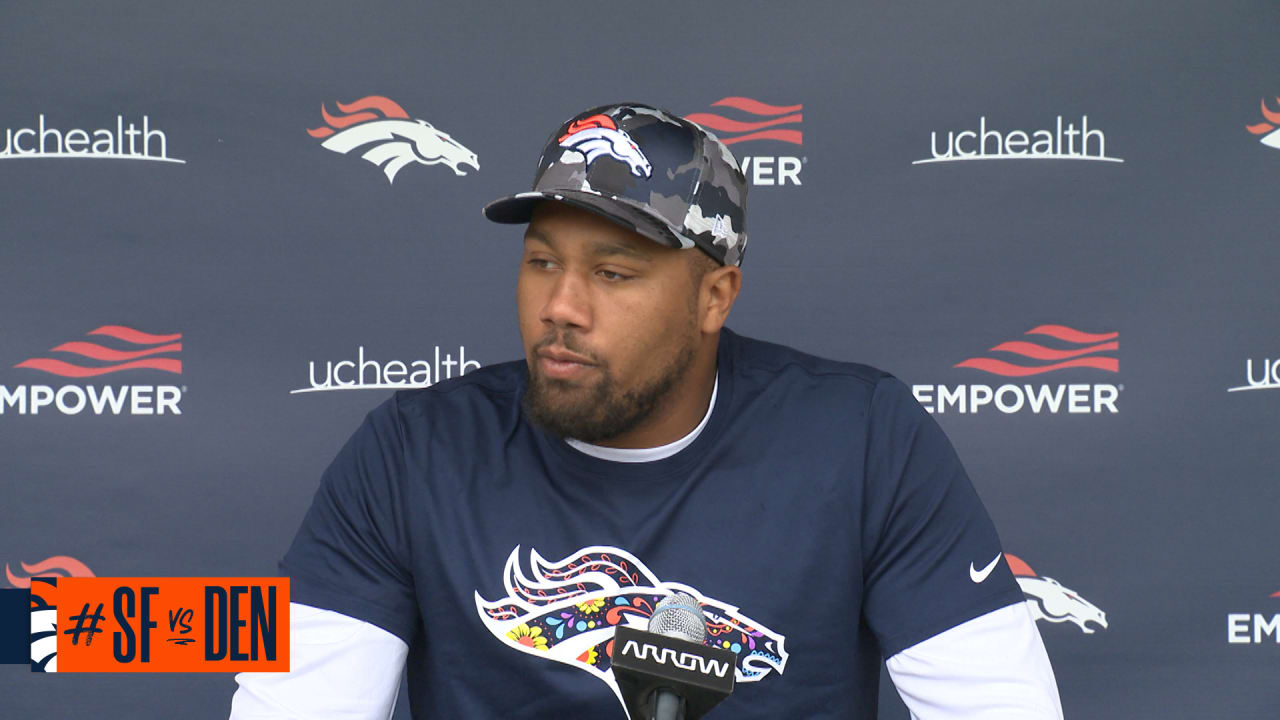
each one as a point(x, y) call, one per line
point(608, 319)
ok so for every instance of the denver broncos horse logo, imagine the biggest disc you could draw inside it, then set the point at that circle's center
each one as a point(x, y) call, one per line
point(44, 628)
point(1050, 600)
point(396, 140)
point(44, 615)
point(599, 135)
point(568, 610)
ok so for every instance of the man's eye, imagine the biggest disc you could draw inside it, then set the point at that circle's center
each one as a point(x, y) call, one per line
point(540, 263)
point(613, 276)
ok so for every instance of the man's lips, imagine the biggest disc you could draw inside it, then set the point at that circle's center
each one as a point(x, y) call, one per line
point(562, 364)
point(563, 356)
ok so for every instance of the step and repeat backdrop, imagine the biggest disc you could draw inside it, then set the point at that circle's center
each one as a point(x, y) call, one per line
point(231, 229)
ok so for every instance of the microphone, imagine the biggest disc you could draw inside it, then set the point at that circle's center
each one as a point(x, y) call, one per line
point(666, 672)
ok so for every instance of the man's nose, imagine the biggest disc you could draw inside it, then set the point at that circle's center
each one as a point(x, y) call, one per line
point(569, 304)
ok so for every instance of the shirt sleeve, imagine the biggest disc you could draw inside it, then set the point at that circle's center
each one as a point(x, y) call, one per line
point(991, 667)
point(931, 556)
point(340, 668)
point(351, 554)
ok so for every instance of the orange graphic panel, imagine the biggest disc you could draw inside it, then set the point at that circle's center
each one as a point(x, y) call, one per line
point(171, 624)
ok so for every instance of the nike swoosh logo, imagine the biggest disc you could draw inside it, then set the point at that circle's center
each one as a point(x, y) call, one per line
point(980, 575)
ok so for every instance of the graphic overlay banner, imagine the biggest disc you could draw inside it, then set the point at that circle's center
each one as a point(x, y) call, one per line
point(158, 624)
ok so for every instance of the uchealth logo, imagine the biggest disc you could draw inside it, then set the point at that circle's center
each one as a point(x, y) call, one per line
point(1255, 628)
point(745, 120)
point(56, 566)
point(1265, 375)
point(366, 373)
point(384, 134)
point(1062, 141)
point(1051, 601)
point(128, 139)
point(1269, 130)
point(110, 350)
point(1053, 348)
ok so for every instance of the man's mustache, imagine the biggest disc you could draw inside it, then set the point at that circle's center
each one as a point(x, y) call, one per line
point(568, 342)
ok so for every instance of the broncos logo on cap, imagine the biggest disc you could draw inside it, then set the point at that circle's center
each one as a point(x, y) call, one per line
point(568, 610)
point(598, 135)
point(1050, 600)
point(393, 139)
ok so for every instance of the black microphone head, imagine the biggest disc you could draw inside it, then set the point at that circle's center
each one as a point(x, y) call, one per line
point(679, 616)
point(670, 661)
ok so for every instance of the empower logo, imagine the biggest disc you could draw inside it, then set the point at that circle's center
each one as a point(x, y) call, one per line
point(753, 121)
point(113, 349)
point(148, 346)
point(1055, 348)
point(1254, 628)
point(1079, 349)
point(386, 136)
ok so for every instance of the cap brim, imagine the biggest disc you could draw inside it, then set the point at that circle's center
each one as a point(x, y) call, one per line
point(518, 209)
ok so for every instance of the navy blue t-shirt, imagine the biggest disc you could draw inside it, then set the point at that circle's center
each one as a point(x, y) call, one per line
point(821, 518)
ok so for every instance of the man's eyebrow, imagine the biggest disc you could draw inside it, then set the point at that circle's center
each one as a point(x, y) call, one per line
point(611, 248)
point(599, 248)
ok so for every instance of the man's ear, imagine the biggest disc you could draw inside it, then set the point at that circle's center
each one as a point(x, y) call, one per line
point(718, 290)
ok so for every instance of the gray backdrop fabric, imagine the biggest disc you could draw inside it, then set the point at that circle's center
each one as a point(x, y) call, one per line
point(276, 259)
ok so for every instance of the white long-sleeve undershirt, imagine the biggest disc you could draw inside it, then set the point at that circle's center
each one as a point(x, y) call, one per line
point(993, 667)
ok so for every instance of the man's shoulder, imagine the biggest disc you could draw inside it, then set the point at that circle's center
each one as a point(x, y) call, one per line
point(492, 387)
point(754, 357)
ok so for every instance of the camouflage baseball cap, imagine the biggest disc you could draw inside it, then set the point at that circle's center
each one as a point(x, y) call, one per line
point(646, 169)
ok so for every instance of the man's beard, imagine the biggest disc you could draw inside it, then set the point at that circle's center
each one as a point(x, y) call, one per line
point(600, 412)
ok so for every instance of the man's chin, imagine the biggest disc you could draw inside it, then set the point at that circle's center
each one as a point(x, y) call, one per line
point(565, 407)
point(566, 387)
point(592, 408)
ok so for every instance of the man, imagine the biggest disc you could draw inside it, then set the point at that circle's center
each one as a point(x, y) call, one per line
point(492, 531)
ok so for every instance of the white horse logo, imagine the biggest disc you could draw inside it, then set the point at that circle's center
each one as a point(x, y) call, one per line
point(599, 135)
point(393, 139)
point(567, 611)
point(1050, 600)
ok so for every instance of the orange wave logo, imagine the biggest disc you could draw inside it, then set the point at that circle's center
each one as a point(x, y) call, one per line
point(756, 121)
point(138, 351)
point(1078, 350)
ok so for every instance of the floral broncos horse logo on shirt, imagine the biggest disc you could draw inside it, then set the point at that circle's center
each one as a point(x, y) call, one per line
point(568, 611)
